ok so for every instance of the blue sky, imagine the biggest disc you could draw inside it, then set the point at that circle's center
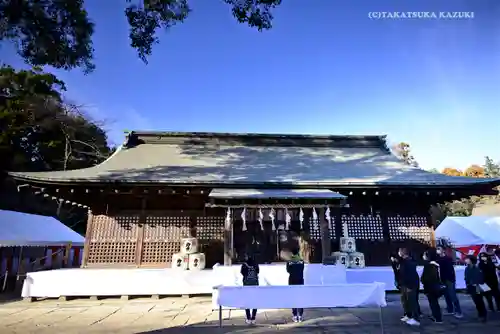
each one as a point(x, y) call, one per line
point(325, 68)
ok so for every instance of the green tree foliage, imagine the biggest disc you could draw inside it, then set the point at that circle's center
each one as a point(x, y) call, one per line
point(59, 33)
point(491, 169)
point(38, 131)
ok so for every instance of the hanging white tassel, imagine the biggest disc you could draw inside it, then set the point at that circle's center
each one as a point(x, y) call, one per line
point(315, 215)
point(271, 215)
point(288, 219)
point(261, 219)
point(243, 219)
point(301, 219)
point(328, 217)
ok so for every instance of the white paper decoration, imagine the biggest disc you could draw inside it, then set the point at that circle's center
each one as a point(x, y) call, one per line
point(328, 218)
point(261, 219)
point(301, 218)
point(272, 216)
point(288, 219)
point(243, 219)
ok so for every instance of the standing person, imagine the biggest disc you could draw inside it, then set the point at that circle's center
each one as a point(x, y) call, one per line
point(295, 269)
point(410, 283)
point(473, 280)
point(432, 284)
point(448, 277)
point(491, 280)
point(250, 272)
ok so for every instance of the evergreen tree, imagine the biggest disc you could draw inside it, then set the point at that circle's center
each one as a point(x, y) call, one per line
point(491, 169)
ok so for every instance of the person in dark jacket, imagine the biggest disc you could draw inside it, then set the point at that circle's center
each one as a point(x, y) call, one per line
point(432, 284)
point(448, 277)
point(250, 272)
point(409, 283)
point(490, 278)
point(295, 269)
point(473, 280)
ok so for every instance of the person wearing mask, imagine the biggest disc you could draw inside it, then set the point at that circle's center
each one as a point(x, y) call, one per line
point(473, 281)
point(250, 272)
point(409, 283)
point(448, 277)
point(432, 284)
point(295, 269)
point(491, 280)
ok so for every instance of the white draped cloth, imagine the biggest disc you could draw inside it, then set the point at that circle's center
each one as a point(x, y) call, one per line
point(302, 296)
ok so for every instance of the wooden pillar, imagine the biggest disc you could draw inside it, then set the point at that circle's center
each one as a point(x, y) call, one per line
point(67, 251)
point(140, 234)
point(228, 240)
point(88, 236)
point(326, 244)
point(305, 237)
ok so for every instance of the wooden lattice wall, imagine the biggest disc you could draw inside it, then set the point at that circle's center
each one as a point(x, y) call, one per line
point(113, 240)
point(150, 239)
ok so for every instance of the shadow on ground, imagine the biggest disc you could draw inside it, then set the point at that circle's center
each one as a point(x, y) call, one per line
point(353, 321)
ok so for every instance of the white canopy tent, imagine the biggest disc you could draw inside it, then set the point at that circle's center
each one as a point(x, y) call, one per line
point(23, 229)
point(470, 231)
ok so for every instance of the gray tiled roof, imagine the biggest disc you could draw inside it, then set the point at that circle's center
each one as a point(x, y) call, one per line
point(275, 193)
point(180, 160)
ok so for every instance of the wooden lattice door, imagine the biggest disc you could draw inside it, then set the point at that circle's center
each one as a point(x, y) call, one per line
point(113, 240)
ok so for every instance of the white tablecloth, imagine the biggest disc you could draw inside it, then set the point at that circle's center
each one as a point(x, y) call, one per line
point(275, 274)
point(303, 296)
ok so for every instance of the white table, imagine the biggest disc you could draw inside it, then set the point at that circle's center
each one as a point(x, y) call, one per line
point(301, 296)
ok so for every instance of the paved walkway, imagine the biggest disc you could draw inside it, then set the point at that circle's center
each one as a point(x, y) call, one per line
point(194, 315)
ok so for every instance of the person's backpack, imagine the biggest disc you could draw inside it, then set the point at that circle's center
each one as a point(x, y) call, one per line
point(252, 278)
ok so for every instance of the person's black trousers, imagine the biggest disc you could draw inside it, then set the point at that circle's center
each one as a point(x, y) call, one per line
point(433, 299)
point(297, 312)
point(478, 300)
point(410, 303)
point(494, 293)
point(251, 314)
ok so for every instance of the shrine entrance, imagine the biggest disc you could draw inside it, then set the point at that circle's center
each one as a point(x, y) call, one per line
point(271, 231)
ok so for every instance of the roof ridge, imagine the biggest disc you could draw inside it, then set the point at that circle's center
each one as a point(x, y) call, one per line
point(135, 138)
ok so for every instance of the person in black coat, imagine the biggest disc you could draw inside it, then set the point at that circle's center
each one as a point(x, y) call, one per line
point(432, 284)
point(473, 280)
point(250, 272)
point(295, 268)
point(491, 279)
point(410, 284)
point(448, 278)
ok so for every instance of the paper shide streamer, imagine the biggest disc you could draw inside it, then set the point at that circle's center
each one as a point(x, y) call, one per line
point(261, 219)
point(328, 217)
point(272, 216)
point(288, 219)
point(243, 219)
point(301, 218)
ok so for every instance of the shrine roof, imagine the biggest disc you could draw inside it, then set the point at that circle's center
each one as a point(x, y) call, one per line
point(252, 160)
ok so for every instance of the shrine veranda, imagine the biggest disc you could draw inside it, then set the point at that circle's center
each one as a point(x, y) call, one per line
point(294, 190)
